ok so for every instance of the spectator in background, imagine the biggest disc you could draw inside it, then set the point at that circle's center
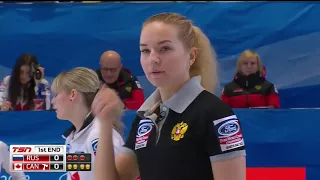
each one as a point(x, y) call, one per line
point(249, 88)
point(120, 79)
point(20, 90)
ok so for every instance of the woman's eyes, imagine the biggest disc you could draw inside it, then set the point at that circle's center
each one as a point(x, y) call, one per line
point(162, 49)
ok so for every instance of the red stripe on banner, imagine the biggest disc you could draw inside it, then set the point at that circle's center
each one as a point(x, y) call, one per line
point(276, 173)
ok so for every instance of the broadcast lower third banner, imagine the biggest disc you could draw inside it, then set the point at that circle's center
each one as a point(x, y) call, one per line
point(276, 174)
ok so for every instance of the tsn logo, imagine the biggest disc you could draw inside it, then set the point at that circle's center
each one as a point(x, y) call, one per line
point(21, 149)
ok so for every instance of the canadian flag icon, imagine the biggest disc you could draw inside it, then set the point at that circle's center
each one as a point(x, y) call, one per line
point(17, 166)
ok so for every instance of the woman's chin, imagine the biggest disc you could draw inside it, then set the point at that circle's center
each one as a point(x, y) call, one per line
point(59, 116)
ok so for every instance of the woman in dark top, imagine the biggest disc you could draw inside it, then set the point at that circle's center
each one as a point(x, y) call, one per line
point(249, 88)
point(182, 131)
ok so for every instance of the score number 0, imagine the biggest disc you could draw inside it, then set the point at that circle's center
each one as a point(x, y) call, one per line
point(56, 166)
point(56, 157)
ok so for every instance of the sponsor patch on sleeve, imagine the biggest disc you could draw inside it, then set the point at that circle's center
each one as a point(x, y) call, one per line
point(94, 145)
point(138, 85)
point(143, 133)
point(229, 133)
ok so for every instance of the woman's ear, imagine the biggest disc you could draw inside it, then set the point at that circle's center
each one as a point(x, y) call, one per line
point(193, 56)
point(73, 94)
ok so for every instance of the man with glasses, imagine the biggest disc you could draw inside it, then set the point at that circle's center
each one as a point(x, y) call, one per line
point(120, 79)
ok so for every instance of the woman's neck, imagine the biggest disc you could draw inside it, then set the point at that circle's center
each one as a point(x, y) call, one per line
point(167, 92)
point(78, 118)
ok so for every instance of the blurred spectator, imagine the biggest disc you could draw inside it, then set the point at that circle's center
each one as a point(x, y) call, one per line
point(120, 79)
point(25, 89)
point(249, 88)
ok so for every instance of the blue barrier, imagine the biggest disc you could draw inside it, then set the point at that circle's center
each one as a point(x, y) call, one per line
point(274, 138)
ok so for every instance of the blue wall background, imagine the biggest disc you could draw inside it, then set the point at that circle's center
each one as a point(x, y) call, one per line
point(287, 35)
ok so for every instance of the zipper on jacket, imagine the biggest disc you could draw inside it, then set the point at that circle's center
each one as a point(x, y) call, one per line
point(158, 132)
point(247, 96)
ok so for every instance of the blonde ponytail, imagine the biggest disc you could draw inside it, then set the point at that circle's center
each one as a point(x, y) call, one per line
point(206, 62)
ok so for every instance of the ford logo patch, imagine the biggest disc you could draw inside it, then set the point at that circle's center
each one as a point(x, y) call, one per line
point(144, 128)
point(229, 128)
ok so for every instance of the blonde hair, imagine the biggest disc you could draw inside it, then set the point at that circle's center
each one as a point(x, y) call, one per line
point(205, 64)
point(85, 81)
point(247, 54)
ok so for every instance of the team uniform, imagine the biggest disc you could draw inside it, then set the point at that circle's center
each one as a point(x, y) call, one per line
point(5, 163)
point(86, 141)
point(128, 88)
point(21, 103)
point(250, 92)
point(193, 129)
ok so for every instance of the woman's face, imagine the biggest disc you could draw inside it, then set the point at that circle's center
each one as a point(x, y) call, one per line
point(164, 59)
point(24, 74)
point(62, 103)
point(249, 66)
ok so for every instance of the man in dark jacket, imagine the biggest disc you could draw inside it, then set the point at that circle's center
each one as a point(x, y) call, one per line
point(120, 79)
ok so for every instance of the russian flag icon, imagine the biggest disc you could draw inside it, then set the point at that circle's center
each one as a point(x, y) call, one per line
point(17, 158)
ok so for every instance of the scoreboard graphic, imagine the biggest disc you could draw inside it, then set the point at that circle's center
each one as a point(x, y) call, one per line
point(47, 158)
